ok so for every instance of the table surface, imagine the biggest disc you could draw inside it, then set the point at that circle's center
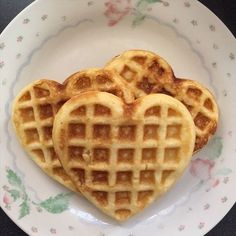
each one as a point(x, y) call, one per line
point(224, 9)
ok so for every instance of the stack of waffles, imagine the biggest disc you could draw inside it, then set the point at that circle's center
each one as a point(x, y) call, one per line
point(121, 135)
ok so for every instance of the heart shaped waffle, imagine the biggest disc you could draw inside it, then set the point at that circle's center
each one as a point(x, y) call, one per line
point(35, 107)
point(147, 73)
point(144, 71)
point(122, 157)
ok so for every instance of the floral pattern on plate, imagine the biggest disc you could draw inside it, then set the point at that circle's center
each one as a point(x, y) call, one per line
point(15, 193)
point(209, 182)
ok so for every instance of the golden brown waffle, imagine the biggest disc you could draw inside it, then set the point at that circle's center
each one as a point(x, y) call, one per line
point(201, 104)
point(144, 71)
point(122, 157)
point(98, 80)
point(143, 80)
point(35, 107)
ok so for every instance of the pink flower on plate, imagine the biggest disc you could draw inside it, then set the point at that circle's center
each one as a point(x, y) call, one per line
point(7, 199)
point(201, 168)
point(116, 10)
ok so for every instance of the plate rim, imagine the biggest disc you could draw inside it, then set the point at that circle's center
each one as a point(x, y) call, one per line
point(11, 24)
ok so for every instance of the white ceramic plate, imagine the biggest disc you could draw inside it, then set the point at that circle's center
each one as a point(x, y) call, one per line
point(55, 38)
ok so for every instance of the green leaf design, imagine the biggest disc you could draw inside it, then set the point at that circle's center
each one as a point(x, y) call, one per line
point(224, 171)
point(13, 179)
point(138, 19)
point(215, 149)
point(24, 209)
point(56, 204)
point(143, 3)
point(141, 6)
point(153, 1)
point(15, 194)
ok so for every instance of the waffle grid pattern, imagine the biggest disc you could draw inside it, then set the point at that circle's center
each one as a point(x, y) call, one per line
point(36, 106)
point(120, 181)
point(36, 117)
point(147, 73)
point(97, 80)
point(202, 108)
point(143, 72)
